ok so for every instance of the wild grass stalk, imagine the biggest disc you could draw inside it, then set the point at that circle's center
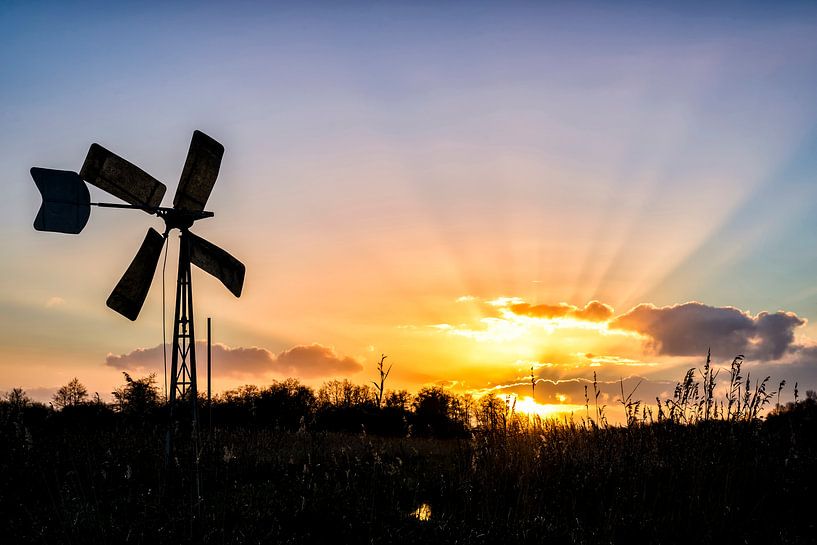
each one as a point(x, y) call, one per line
point(631, 406)
point(601, 419)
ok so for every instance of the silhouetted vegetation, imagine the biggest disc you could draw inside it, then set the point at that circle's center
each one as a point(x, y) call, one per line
point(356, 464)
point(70, 395)
point(137, 397)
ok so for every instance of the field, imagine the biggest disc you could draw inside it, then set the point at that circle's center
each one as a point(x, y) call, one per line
point(91, 475)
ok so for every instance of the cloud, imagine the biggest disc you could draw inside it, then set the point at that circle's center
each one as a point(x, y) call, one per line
point(54, 302)
point(505, 301)
point(307, 361)
point(316, 360)
point(141, 359)
point(594, 311)
point(240, 360)
point(691, 328)
point(600, 360)
point(541, 311)
point(572, 391)
point(800, 368)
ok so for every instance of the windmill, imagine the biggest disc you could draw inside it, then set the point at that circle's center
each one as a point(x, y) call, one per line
point(66, 209)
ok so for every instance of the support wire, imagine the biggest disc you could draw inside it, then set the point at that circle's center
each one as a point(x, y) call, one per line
point(164, 324)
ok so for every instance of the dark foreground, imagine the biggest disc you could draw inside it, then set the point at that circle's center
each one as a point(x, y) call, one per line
point(713, 482)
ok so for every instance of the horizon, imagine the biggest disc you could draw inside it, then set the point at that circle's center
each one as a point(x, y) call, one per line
point(573, 188)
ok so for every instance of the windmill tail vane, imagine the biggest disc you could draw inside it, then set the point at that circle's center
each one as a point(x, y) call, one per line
point(66, 208)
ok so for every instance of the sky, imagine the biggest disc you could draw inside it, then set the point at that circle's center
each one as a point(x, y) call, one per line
point(474, 189)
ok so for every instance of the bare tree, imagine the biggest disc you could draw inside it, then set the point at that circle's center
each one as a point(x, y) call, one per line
point(344, 394)
point(17, 399)
point(379, 388)
point(71, 394)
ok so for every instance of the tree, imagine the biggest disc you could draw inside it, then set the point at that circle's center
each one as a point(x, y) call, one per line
point(398, 399)
point(345, 394)
point(287, 404)
point(344, 406)
point(17, 399)
point(436, 412)
point(15, 405)
point(73, 393)
point(242, 394)
point(467, 410)
point(491, 412)
point(137, 396)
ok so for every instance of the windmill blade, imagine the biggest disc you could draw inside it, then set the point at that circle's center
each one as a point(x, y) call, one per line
point(122, 179)
point(66, 201)
point(212, 259)
point(129, 294)
point(199, 174)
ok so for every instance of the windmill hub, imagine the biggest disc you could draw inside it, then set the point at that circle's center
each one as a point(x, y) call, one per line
point(181, 219)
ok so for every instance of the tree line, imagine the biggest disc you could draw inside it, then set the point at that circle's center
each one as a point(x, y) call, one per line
point(338, 406)
point(343, 406)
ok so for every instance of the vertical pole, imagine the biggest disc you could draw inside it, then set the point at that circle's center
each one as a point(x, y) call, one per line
point(209, 370)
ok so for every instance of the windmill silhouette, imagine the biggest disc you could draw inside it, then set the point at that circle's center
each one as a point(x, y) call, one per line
point(66, 209)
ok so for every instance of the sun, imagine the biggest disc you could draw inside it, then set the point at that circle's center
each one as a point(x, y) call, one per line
point(528, 406)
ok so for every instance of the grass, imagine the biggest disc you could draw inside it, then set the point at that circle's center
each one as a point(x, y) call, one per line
point(712, 481)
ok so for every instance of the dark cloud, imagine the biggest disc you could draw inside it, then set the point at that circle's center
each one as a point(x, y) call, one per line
point(141, 359)
point(315, 360)
point(306, 361)
point(594, 311)
point(691, 328)
point(241, 360)
point(801, 368)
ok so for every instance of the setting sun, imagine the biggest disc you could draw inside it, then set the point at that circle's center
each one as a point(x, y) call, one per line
point(527, 406)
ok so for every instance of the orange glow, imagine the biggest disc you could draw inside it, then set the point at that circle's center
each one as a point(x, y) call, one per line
point(527, 406)
point(495, 335)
